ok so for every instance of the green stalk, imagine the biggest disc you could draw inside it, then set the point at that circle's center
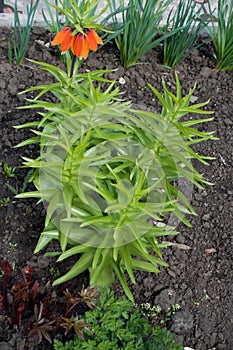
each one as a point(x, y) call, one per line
point(72, 65)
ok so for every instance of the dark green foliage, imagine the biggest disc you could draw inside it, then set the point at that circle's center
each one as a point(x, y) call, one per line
point(19, 44)
point(115, 324)
point(142, 28)
point(221, 34)
point(186, 18)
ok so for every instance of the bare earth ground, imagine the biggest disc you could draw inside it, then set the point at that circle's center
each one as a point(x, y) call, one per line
point(199, 278)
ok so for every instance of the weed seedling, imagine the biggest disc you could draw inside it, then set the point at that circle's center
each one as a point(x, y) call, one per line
point(17, 189)
point(171, 311)
point(55, 273)
point(4, 201)
point(12, 245)
point(7, 170)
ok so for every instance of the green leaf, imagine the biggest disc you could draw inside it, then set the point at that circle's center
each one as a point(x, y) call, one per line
point(78, 249)
point(45, 238)
point(123, 282)
point(30, 141)
point(81, 265)
point(144, 266)
point(100, 272)
point(33, 194)
point(127, 261)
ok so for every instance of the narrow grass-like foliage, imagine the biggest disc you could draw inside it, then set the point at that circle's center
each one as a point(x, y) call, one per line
point(21, 34)
point(52, 19)
point(222, 35)
point(142, 29)
point(181, 43)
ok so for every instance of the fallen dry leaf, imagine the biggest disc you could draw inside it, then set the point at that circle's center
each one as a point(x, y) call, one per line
point(180, 246)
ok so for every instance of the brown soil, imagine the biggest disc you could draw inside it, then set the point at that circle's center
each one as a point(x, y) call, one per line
point(200, 274)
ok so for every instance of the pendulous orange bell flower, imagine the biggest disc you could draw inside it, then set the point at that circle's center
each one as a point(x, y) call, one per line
point(80, 46)
point(93, 39)
point(79, 43)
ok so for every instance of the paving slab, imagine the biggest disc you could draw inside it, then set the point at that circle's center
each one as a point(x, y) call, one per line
point(7, 19)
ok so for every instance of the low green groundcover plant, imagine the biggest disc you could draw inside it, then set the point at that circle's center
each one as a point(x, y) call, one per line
point(116, 325)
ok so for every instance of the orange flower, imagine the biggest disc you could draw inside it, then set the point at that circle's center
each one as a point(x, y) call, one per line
point(93, 39)
point(79, 43)
point(80, 46)
point(64, 38)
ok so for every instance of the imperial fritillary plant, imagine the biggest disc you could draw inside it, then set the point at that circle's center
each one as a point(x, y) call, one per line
point(105, 169)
